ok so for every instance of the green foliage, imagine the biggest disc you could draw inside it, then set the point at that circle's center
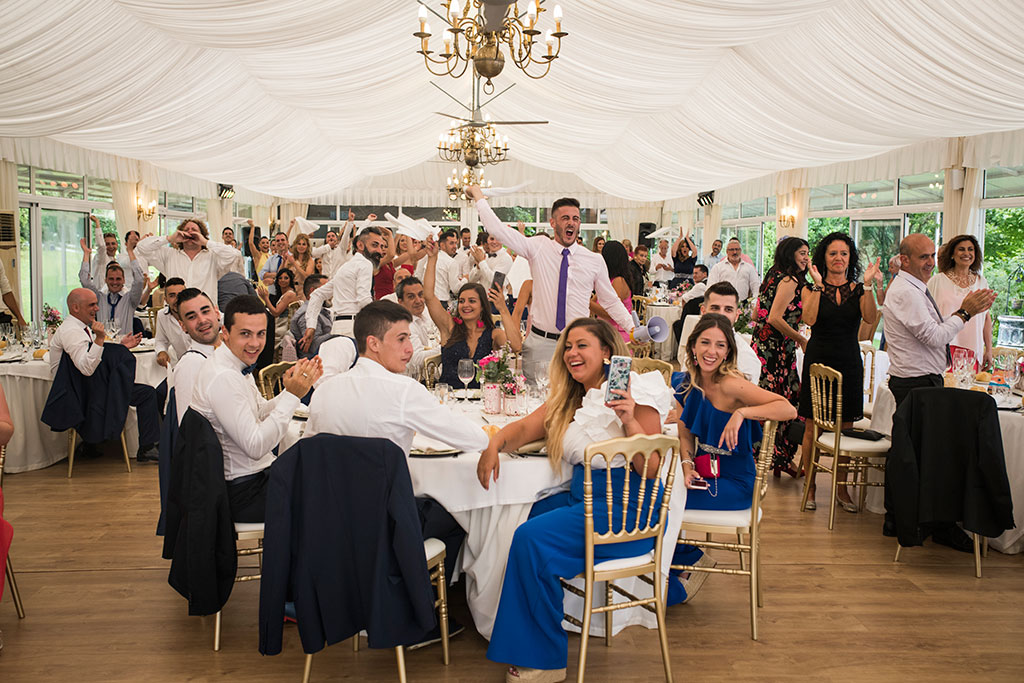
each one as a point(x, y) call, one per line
point(817, 228)
point(1004, 234)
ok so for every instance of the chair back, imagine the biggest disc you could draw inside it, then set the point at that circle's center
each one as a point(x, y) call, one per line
point(151, 317)
point(867, 354)
point(431, 369)
point(639, 350)
point(271, 377)
point(292, 307)
point(649, 447)
point(827, 401)
point(764, 463)
point(642, 365)
point(640, 307)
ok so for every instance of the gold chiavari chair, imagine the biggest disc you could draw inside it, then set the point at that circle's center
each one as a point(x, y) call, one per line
point(849, 454)
point(640, 307)
point(647, 446)
point(435, 552)
point(640, 350)
point(867, 354)
point(642, 365)
point(244, 531)
point(73, 436)
point(740, 522)
point(431, 370)
point(151, 318)
point(271, 377)
point(8, 569)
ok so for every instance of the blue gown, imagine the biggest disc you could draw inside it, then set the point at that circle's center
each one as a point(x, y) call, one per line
point(733, 489)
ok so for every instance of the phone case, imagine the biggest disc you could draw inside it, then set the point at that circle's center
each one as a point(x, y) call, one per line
point(499, 281)
point(618, 376)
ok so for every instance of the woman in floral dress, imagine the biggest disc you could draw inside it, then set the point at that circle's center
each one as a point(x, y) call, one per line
point(776, 337)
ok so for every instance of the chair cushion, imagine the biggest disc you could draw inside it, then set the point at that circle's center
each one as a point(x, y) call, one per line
point(250, 529)
point(855, 445)
point(728, 518)
point(433, 547)
point(624, 562)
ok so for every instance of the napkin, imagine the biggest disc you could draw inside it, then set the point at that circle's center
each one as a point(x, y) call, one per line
point(502, 191)
point(426, 444)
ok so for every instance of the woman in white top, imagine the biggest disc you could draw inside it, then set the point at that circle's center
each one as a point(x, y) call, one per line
point(527, 629)
point(959, 274)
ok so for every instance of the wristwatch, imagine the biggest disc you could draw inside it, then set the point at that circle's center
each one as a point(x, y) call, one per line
point(964, 315)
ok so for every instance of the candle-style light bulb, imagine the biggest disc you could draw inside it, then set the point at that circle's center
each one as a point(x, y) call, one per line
point(550, 40)
point(558, 18)
point(531, 12)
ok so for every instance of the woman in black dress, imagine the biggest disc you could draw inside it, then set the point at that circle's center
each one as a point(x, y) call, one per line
point(684, 258)
point(834, 307)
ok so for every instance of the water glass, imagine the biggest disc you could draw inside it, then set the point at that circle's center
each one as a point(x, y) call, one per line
point(441, 391)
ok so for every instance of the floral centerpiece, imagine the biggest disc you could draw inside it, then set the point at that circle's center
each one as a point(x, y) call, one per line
point(498, 378)
point(51, 317)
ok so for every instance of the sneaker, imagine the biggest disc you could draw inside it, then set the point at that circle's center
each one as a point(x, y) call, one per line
point(434, 635)
point(148, 454)
point(697, 578)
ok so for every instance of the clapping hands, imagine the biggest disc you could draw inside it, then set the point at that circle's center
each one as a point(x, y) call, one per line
point(301, 377)
point(873, 272)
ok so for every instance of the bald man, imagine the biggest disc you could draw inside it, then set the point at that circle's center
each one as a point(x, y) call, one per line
point(82, 337)
point(918, 340)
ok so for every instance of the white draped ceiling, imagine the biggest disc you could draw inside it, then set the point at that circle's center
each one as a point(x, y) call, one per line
point(651, 99)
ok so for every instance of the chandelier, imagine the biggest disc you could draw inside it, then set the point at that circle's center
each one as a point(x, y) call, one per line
point(475, 31)
point(472, 144)
point(457, 183)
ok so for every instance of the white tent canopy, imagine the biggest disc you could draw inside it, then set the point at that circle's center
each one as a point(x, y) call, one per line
point(650, 100)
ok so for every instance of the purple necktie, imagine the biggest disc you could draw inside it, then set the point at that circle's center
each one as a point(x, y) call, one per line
point(563, 281)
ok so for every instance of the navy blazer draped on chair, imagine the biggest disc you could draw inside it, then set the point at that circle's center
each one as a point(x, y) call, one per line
point(96, 406)
point(343, 540)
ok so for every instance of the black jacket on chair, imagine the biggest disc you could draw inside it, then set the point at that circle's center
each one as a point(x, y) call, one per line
point(343, 541)
point(946, 464)
point(168, 435)
point(96, 406)
point(199, 537)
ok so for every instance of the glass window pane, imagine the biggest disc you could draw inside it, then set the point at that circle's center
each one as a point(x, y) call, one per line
point(179, 202)
point(514, 214)
point(730, 211)
point(61, 254)
point(827, 198)
point(771, 206)
point(1004, 182)
point(868, 194)
point(923, 188)
point(819, 227)
point(768, 237)
point(602, 217)
point(200, 205)
point(928, 223)
point(25, 271)
point(752, 208)
point(877, 239)
point(99, 190)
point(362, 212)
point(162, 199)
point(59, 184)
point(315, 212)
point(24, 179)
point(700, 213)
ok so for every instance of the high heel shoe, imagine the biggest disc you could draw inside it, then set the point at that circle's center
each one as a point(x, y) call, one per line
point(847, 505)
point(788, 469)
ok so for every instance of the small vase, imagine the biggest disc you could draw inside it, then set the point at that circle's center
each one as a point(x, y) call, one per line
point(492, 398)
point(514, 404)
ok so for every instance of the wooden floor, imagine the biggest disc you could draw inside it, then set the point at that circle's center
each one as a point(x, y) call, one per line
point(836, 607)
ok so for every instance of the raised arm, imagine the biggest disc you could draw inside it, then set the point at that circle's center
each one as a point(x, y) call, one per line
point(438, 313)
point(85, 272)
point(518, 242)
point(525, 294)
point(811, 298)
point(253, 251)
point(509, 331)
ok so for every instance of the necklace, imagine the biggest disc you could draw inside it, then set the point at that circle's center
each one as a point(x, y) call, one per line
point(962, 282)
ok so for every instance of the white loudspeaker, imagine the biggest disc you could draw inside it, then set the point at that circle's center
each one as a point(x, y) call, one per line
point(656, 330)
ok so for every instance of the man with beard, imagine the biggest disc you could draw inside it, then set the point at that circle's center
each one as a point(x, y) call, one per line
point(350, 288)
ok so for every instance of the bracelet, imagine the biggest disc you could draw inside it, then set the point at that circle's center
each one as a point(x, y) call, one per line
point(687, 460)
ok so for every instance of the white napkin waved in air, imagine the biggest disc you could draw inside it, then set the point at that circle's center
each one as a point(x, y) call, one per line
point(502, 191)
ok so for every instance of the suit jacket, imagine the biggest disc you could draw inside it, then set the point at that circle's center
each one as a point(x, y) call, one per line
point(168, 437)
point(96, 406)
point(946, 464)
point(199, 537)
point(343, 541)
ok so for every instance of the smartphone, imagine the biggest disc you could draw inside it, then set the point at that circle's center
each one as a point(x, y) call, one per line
point(618, 376)
point(498, 282)
point(700, 484)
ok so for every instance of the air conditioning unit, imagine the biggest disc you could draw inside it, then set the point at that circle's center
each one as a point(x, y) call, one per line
point(8, 230)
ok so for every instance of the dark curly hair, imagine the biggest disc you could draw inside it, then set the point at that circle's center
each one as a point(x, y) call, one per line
point(785, 260)
point(949, 248)
point(818, 260)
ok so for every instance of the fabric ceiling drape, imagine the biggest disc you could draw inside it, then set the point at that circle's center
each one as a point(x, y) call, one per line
point(126, 211)
point(712, 226)
point(8, 186)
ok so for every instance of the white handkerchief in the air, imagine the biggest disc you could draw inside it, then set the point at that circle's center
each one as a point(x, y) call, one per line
point(502, 191)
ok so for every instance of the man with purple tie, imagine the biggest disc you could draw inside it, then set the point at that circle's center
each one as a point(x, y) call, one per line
point(564, 276)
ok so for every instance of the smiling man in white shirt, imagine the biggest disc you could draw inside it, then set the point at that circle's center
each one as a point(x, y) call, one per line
point(422, 329)
point(736, 272)
point(722, 298)
point(247, 425)
point(200, 320)
point(447, 273)
point(170, 342)
point(662, 268)
point(189, 254)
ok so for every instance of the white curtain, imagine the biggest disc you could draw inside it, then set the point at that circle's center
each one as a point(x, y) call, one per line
point(971, 219)
point(290, 210)
point(219, 213)
point(126, 211)
point(712, 227)
point(8, 186)
point(624, 223)
point(261, 216)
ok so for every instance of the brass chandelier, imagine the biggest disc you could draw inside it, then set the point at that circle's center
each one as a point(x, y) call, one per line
point(472, 145)
point(457, 183)
point(475, 31)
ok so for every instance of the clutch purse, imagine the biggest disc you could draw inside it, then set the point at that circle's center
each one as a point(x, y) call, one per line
point(708, 464)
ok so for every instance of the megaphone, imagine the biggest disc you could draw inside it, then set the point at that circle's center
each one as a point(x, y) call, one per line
point(656, 330)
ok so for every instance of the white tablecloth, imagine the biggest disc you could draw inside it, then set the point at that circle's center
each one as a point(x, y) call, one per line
point(666, 350)
point(1011, 424)
point(491, 517)
point(26, 386)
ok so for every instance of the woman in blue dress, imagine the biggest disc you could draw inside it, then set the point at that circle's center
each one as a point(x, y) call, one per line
point(470, 332)
point(720, 409)
point(528, 631)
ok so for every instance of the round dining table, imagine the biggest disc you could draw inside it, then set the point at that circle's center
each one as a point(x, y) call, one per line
point(665, 350)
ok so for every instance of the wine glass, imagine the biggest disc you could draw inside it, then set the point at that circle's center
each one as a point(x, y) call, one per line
point(112, 330)
point(542, 380)
point(467, 371)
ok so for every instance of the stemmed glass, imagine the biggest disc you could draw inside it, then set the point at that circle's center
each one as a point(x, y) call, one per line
point(467, 371)
point(542, 380)
point(112, 330)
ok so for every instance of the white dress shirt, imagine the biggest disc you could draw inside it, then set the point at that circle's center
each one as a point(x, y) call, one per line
point(916, 335)
point(446, 276)
point(483, 272)
point(332, 259)
point(202, 272)
point(587, 273)
point(744, 277)
point(711, 261)
point(5, 286)
point(420, 331)
point(662, 275)
point(247, 425)
point(389, 405)
point(349, 290)
point(183, 377)
point(337, 355)
point(747, 361)
point(127, 300)
point(76, 339)
point(169, 335)
point(696, 291)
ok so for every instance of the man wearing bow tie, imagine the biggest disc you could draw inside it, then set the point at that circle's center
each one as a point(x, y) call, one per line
point(247, 425)
point(489, 258)
point(115, 304)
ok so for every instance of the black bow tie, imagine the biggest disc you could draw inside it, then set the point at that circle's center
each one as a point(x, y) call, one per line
point(248, 369)
point(492, 256)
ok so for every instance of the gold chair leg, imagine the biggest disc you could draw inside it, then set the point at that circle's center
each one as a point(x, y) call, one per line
point(124, 449)
point(898, 548)
point(755, 597)
point(400, 657)
point(812, 464)
point(442, 595)
point(977, 555)
point(15, 594)
point(659, 612)
point(216, 633)
point(984, 546)
point(588, 610)
point(608, 615)
point(760, 579)
point(71, 451)
point(739, 540)
point(835, 491)
point(355, 643)
point(308, 669)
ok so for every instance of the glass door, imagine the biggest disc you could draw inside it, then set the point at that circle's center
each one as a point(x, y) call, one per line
point(877, 238)
point(58, 258)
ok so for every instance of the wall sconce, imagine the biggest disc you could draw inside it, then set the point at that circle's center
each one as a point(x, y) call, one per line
point(787, 218)
point(145, 211)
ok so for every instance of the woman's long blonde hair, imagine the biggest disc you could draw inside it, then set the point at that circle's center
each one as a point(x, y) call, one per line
point(304, 258)
point(566, 394)
point(727, 367)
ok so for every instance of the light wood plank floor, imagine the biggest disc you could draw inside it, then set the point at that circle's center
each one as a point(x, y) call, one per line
point(836, 607)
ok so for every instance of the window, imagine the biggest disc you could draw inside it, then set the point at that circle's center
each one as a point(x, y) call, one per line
point(923, 188)
point(200, 205)
point(700, 213)
point(819, 227)
point(752, 208)
point(24, 251)
point(59, 184)
point(99, 189)
point(315, 212)
point(730, 212)
point(870, 193)
point(436, 214)
point(768, 243)
point(928, 223)
point(586, 215)
point(877, 238)
point(362, 212)
point(771, 206)
point(24, 179)
point(179, 202)
point(827, 198)
point(1004, 181)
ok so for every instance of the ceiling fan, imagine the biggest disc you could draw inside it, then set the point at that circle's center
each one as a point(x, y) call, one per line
point(475, 108)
